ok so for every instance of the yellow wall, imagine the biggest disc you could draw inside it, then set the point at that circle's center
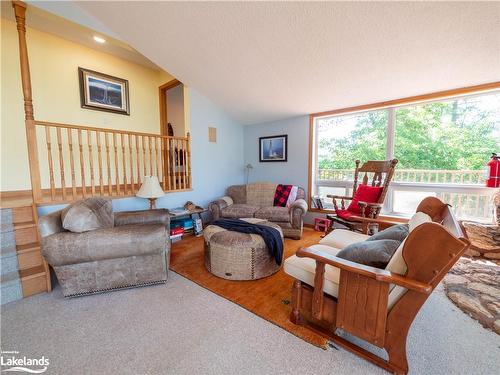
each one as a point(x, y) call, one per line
point(54, 66)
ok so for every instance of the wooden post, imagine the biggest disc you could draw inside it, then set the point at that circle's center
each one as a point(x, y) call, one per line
point(20, 13)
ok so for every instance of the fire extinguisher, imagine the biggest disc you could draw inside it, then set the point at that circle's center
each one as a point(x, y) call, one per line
point(493, 170)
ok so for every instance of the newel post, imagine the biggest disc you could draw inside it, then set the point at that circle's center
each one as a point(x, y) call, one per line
point(20, 13)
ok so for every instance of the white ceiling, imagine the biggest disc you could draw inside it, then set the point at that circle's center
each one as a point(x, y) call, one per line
point(263, 61)
point(44, 20)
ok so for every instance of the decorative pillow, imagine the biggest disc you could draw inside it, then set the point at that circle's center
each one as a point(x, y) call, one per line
point(417, 219)
point(371, 253)
point(364, 193)
point(88, 214)
point(396, 232)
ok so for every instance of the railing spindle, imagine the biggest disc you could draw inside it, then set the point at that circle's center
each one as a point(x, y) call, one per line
point(184, 170)
point(144, 155)
point(82, 164)
point(163, 162)
point(61, 162)
point(117, 176)
point(150, 157)
point(91, 162)
point(72, 163)
point(188, 161)
point(132, 185)
point(125, 186)
point(51, 164)
point(168, 167)
point(99, 157)
point(156, 159)
point(138, 162)
point(108, 164)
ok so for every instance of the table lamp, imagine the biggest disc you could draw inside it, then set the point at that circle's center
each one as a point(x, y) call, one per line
point(151, 190)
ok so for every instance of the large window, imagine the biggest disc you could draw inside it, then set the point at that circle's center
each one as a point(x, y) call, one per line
point(442, 148)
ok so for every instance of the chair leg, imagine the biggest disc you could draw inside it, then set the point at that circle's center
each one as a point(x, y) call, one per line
point(295, 316)
point(396, 349)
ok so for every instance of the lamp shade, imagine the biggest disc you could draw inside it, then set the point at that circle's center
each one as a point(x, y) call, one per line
point(150, 188)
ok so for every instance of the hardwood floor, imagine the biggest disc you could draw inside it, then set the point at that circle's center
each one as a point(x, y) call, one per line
point(269, 298)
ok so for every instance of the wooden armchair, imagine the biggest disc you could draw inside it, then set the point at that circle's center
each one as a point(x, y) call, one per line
point(382, 170)
point(374, 304)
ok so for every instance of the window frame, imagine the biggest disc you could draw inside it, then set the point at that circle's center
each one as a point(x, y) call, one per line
point(391, 106)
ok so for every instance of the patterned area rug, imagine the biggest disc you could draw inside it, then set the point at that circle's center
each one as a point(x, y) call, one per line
point(472, 285)
point(268, 298)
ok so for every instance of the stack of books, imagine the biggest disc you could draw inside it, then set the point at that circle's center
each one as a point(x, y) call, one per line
point(180, 227)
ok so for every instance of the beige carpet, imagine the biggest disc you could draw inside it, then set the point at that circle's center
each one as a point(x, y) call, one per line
point(182, 328)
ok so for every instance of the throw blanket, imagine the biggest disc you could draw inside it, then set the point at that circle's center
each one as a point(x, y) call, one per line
point(271, 236)
point(285, 195)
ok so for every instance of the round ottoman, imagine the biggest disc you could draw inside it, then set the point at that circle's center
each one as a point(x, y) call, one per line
point(238, 256)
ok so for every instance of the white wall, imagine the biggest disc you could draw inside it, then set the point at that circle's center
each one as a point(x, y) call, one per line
point(175, 109)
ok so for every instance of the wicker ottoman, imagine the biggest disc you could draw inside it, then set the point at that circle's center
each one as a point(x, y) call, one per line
point(238, 256)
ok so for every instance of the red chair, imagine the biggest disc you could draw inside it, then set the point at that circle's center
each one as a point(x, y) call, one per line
point(367, 198)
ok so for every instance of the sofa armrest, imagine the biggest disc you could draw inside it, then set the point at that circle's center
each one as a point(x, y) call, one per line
point(160, 216)
point(50, 224)
point(297, 211)
point(218, 205)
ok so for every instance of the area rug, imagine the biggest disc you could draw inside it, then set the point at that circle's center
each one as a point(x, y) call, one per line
point(268, 298)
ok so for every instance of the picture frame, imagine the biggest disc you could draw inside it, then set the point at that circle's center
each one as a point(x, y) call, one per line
point(102, 92)
point(273, 148)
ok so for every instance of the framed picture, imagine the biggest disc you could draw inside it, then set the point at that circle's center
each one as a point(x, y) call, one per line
point(274, 148)
point(103, 92)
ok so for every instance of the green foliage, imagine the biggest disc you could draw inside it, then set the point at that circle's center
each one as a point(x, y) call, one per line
point(453, 135)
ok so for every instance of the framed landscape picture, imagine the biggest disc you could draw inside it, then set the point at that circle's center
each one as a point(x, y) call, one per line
point(103, 92)
point(274, 148)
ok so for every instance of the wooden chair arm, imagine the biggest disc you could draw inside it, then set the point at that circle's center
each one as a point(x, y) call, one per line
point(339, 197)
point(368, 271)
point(342, 201)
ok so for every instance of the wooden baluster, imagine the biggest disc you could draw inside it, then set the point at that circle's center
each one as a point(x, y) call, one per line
point(188, 163)
point(155, 141)
point(184, 171)
point(132, 185)
point(99, 156)
point(163, 162)
point(138, 161)
point(168, 167)
point(144, 155)
point(82, 164)
point(91, 163)
point(108, 164)
point(61, 162)
point(117, 176)
point(176, 161)
point(72, 163)
point(51, 164)
point(150, 157)
point(125, 187)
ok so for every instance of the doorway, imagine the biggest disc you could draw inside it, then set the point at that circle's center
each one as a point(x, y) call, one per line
point(172, 121)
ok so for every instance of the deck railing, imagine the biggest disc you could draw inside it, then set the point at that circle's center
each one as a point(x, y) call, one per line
point(463, 189)
point(79, 161)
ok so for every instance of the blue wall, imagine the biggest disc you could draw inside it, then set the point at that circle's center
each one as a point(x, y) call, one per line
point(295, 170)
point(214, 166)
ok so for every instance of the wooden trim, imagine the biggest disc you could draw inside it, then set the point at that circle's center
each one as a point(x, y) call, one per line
point(311, 147)
point(413, 99)
point(162, 95)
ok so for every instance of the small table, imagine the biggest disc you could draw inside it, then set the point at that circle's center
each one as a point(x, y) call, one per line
point(239, 256)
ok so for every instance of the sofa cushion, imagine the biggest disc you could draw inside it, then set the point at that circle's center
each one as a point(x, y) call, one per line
point(341, 238)
point(396, 232)
point(304, 269)
point(274, 214)
point(364, 193)
point(261, 194)
point(118, 242)
point(235, 211)
point(238, 193)
point(371, 253)
point(88, 214)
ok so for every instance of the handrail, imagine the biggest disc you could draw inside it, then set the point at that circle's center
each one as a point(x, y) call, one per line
point(107, 130)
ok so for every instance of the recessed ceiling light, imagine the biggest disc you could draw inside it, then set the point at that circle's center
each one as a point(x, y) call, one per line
point(98, 39)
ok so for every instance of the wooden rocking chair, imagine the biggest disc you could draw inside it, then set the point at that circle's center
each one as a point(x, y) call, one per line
point(375, 304)
point(383, 171)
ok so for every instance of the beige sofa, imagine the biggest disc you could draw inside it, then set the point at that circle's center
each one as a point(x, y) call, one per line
point(256, 200)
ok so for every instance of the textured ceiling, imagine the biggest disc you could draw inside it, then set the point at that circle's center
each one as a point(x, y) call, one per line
point(263, 61)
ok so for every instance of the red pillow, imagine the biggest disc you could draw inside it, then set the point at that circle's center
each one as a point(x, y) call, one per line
point(365, 193)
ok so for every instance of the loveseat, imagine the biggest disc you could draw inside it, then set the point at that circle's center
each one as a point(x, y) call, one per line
point(128, 249)
point(256, 200)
